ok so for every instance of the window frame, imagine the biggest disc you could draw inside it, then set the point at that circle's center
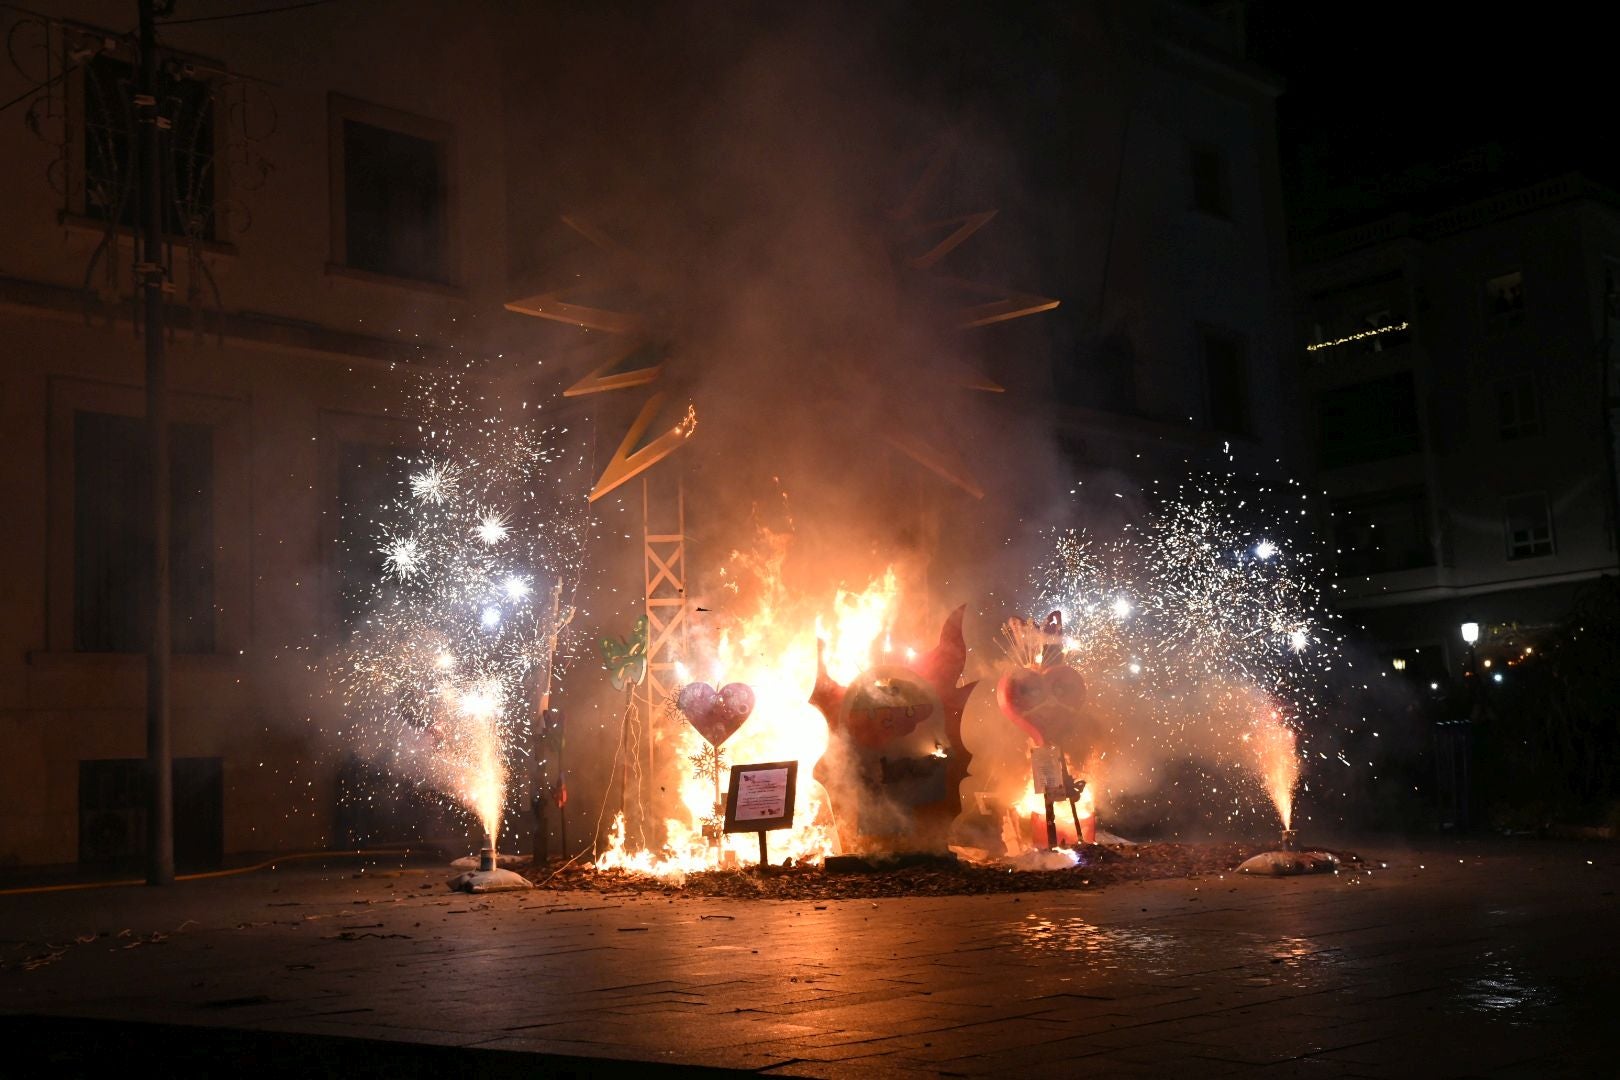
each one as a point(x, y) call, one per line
point(1495, 320)
point(1415, 497)
point(1392, 445)
point(232, 505)
point(1522, 428)
point(341, 109)
point(75, 207)
point(1507, 528)
point(335, 429)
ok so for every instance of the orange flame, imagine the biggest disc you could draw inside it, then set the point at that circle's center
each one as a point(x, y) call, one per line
point(773, 651)
point(1031, 805)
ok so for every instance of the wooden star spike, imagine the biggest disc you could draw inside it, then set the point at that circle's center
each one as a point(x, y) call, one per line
point(626, 465)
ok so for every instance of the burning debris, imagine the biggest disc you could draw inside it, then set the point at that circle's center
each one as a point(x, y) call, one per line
point(1087, 867)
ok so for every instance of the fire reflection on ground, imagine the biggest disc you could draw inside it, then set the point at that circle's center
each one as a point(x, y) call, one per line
point(1102, 948)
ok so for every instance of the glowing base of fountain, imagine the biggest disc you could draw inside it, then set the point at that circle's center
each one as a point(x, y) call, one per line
point(1288, 862)
point(503, 860)
point(489, 877)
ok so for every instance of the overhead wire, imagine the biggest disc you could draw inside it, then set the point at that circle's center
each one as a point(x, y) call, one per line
point(244, 14)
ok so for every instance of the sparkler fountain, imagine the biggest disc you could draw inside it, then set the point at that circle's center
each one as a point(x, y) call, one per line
point(1202, 637)
point(440, 667)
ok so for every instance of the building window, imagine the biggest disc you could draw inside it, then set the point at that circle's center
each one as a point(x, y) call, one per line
point(391, 193)
point(1369, 421)
point(112, 535)
point(1527, 523)
point(1382, 532)
point(1517, 414)
point(1226, 381)
point(370, 476)
point(110, 187)
point(1504, 296)
point(1211, 182)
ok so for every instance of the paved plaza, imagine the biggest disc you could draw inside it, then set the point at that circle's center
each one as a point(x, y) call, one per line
point(1491, 958)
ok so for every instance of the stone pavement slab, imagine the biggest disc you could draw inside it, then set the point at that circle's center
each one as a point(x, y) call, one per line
point(1465, 959)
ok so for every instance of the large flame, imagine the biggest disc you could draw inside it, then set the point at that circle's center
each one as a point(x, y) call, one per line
point(773, 650)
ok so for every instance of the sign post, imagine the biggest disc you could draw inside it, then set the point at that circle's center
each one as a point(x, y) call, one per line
point(1046, 768)
point(760, 799)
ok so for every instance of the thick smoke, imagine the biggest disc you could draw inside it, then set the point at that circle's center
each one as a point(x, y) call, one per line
point(747, 179)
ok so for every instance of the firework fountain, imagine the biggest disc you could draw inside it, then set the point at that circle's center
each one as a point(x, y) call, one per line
point(1201, 634)
point(440, 672)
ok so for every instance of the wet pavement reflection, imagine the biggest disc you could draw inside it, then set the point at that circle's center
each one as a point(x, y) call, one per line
point(1102, 948)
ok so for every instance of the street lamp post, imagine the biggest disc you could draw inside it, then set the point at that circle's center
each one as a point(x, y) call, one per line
point(1456, 734)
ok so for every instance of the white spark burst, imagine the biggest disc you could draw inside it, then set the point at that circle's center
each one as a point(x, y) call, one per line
point(436, 677)
point(435, 484)
point(403, 558)
point(492, 529)
point(1176, 624)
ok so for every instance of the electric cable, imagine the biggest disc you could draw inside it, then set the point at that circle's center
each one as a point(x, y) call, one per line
point(243, 14)
point(205, 875)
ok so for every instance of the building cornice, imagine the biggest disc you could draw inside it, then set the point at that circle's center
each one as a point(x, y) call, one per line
point(60, 302)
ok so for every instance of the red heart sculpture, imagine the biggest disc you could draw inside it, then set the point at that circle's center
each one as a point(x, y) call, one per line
point(1048, 703)
point(716, 714)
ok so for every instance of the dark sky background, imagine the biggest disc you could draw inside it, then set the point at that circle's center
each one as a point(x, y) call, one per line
point(1413, 103)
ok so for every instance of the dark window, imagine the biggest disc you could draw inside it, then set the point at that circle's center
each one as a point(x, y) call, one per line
point(394, 212)
point(1226, 379)
point(1374, 534)
point(112, 812)
point(1369, 421)
point(112, 534)
point(110, 169)
point(1211, 186)
point(371, 479)
point(1527, 523)
point(1517, 415)
point(1504, 296)
point(1100, 375)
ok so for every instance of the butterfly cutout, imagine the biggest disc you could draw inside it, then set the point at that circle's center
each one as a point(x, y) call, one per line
point(626, 660)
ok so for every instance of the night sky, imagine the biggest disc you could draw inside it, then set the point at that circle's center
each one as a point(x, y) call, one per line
point(1426, 103)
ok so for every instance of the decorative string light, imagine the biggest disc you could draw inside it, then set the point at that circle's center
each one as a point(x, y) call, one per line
point(1390, 329)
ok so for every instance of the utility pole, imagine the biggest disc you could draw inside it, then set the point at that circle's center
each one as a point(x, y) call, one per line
point(541, 794)
point(159, 751)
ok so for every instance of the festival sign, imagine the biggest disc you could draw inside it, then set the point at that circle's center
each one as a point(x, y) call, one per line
point(761, 796)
